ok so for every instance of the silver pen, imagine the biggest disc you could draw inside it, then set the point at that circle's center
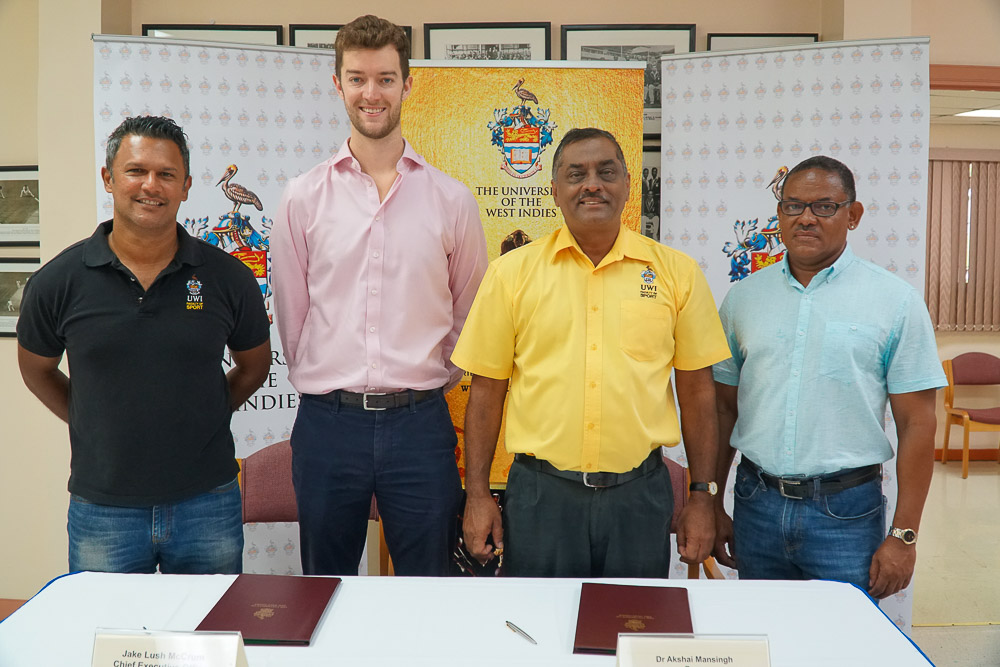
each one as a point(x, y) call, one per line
point(521, 632)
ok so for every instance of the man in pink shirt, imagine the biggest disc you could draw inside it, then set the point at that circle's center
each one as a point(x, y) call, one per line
point(377, 257)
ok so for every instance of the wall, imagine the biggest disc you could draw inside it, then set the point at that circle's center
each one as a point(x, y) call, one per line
point(49, 40)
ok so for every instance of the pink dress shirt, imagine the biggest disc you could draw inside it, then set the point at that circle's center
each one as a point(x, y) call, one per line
point(369, 295)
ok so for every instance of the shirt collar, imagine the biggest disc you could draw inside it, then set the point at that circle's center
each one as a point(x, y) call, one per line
point(97, 252)
point(409, 158)
point(627, 244)
point(826, 275)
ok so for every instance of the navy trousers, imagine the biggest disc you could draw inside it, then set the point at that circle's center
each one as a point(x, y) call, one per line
point(341, 455)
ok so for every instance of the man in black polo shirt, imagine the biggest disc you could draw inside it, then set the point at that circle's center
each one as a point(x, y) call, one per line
point(144, 313)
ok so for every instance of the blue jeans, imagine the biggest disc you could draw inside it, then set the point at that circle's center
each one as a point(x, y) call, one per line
point(200, 535)
point(832, 537)
point(342, 455)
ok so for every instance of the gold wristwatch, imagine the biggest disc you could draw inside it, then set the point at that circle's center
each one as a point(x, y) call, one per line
point(710, 487)
point(907, 535)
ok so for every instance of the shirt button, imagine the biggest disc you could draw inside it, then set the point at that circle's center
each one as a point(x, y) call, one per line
point(590, 426)
point(802, 333)
point(378, 218)
point(594, 308)
point(589, 466)
point(372, 329)
point(593, 385)
point(593, 346)
point(132, 279)
point(374, 365)
point(374, 291)
point(375, 254)
point(795, 373)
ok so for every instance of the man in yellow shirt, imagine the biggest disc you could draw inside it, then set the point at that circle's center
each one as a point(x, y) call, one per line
point(585, 325)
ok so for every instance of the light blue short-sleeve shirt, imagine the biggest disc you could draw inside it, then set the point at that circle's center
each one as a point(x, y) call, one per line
point(815, 365)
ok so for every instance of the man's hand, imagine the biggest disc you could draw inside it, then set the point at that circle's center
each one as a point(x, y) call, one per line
point(892, 568)
point(696, 529)
point(724, 552)
point(481, 520)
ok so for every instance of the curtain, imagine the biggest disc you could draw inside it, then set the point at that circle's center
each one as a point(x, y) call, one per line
point(963, 245)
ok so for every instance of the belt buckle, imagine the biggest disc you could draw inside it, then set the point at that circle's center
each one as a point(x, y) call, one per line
point(587, 483)
point(791, 482)
point(364, 401)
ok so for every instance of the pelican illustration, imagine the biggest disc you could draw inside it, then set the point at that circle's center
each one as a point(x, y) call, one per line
point(237, 193)
point(776, 181)
point(524, 94)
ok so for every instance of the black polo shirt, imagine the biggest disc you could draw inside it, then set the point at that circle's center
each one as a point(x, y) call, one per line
point(148, 399)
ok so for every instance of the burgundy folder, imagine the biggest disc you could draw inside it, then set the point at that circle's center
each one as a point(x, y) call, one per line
point(607, 609)
point(272, 609)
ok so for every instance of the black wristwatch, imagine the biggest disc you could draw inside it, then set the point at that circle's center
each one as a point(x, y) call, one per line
point(710, 487)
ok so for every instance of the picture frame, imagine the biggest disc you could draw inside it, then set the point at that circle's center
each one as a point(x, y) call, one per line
point(737, 41)
point(261, 35)
point(19, 202)
point(488, 41)
point(14, 272)
point(650, 178)
point(632, 42)
point(323, 35)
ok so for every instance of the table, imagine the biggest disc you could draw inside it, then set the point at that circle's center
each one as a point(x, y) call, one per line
point(404, 621)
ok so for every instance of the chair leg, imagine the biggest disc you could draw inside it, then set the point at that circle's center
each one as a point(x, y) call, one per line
point(965, 450)
point(947, 433)
point(384, 564)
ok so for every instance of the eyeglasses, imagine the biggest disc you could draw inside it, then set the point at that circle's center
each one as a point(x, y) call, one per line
point(821, 209)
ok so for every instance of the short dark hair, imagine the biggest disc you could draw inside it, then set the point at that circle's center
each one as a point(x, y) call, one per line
point(827, 164)
point(582, 134)
point(372, 32)
point(154, 127)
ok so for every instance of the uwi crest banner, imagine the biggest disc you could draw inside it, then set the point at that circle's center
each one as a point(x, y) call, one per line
point(495, 125)
point(733, 122)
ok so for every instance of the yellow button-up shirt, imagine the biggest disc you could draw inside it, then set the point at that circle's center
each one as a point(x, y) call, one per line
point(589, 350)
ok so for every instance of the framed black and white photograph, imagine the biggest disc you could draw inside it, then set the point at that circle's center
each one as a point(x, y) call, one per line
point(323, 36)
point(14, 272)
point(651, 192)
point(19, 206)
point(263, 35)
point(487, 41)
point(632, 42)
point(735, 41)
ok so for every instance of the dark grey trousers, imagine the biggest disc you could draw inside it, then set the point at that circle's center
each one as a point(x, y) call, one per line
point(555, 527)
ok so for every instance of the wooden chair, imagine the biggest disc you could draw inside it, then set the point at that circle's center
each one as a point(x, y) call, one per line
point(971, 368)
point(680, 480)
point(269, 497)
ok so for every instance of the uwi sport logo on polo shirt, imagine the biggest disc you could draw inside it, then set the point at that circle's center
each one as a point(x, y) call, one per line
point(647, 289)
point(195, 300)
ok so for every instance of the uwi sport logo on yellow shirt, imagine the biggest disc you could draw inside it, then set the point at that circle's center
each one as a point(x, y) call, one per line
point(521, 134)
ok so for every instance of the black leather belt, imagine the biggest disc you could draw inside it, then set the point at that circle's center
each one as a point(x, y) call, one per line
point(398, 399)
point(595, 480)
point(801, 488)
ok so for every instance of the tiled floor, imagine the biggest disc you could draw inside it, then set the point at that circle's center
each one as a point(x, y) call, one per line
point(957, 575)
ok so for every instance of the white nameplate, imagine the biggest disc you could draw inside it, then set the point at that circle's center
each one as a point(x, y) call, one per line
point(651, 650)
point(141, 648)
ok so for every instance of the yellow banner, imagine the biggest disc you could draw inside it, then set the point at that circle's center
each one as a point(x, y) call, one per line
point(496, 130)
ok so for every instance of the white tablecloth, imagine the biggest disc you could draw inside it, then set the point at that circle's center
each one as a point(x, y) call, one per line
point(455, 621)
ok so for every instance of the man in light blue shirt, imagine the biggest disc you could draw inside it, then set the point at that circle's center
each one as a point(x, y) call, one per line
point(820, 343)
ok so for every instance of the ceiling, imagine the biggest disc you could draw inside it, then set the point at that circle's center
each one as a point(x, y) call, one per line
point(946, 103)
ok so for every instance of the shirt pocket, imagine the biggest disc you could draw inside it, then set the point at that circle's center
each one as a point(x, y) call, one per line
point(646, 331)
point(849, 351)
